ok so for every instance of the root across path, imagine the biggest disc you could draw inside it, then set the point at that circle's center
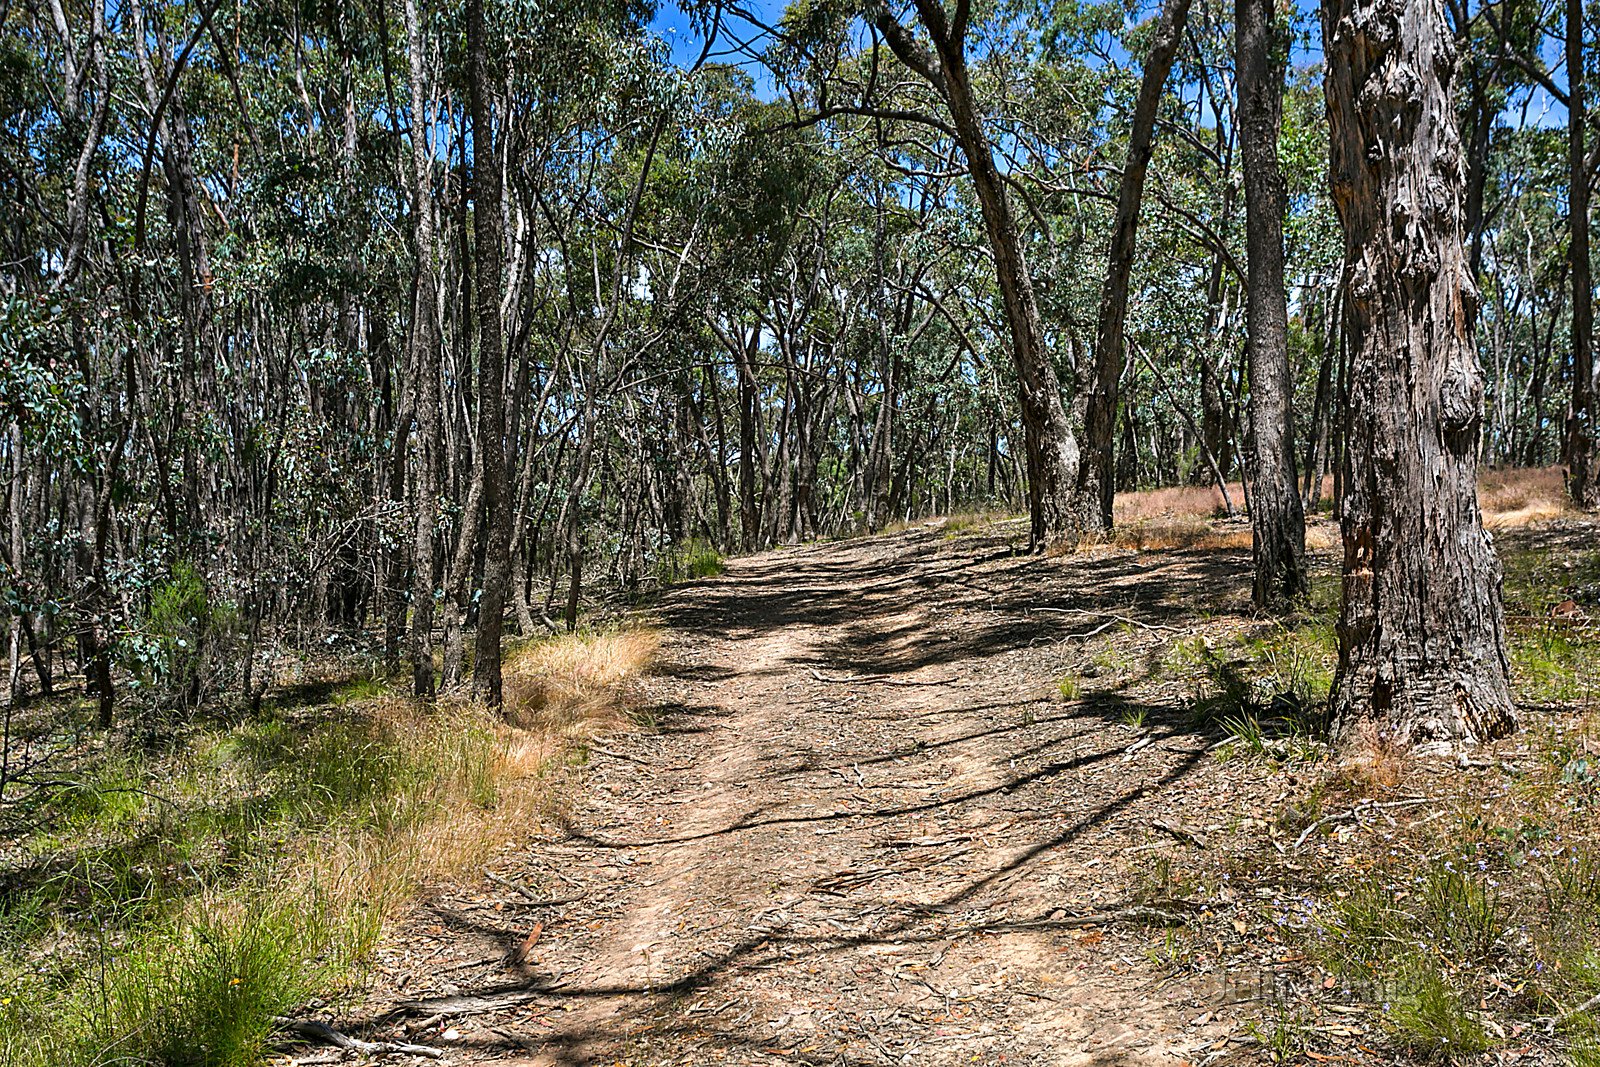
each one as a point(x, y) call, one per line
point(867, 829)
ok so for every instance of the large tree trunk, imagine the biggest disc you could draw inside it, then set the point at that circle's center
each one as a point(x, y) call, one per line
point(425, 358)
point(1276, 517)
point(1583, 478)
point(1051, 444)
point(486, 228)
point(1095, 488)
point(1422, 650)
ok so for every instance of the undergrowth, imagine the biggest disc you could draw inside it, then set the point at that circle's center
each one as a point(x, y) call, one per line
point(161, 905)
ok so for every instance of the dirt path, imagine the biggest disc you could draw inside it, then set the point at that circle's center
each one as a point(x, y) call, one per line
point(868, 827)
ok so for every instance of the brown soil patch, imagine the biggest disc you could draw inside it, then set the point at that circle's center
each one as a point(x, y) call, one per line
point(868, 830)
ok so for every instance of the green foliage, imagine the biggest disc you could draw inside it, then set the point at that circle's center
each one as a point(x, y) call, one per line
point(1269, 699)
point(186, 917)
point(1431, 1020)
point(1283, 1034)
point(688, 561)
point(1552, 664)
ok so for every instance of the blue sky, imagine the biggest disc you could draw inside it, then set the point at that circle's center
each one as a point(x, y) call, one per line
point(673, 26)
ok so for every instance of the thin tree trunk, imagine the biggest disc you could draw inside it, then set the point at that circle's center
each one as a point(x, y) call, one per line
point(1582, 461)
point(487, 225)
point(1096, 489)
point(425, 358)
point(1051, 443)
point(1422, 649)
point(1276, 517)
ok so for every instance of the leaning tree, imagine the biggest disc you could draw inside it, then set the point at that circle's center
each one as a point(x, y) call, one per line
point(1422, 649)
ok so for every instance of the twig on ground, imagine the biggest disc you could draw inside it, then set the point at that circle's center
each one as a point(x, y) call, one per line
point(528, 894)
point(1186, 836)
point(604, 751)
point(880, 679)
point(471, 1005)
point(1591, 1003)
point(1356, 811)
point(312, 1030)
point(1113, 617)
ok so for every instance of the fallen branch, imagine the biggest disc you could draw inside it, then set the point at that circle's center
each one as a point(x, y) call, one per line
point(1105, 918)
point(470, 1004)
point(879, 679)
point(312, 1030)
point(1592, 1002)
point(543, 902)
point(1187, 836)
point(604, 751)
point(1115, 618)
point(1356, 811)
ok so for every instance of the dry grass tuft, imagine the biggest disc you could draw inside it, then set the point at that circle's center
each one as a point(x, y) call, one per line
point(1178, 501)
point(1522, 496)
point(1370, 765)
point(1155, 534)
point(578, 686)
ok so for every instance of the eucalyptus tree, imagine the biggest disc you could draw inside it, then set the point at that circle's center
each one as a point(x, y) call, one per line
point(1583, 436)
point(1422, 643)
point(932, 45)
point(1276, 518)
point(1095, 487)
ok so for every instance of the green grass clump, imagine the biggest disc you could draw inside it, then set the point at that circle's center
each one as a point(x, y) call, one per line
point(170, 902)
point(688, 561)
point(1431, 1020)
point(1551, 664)
point(200, 990)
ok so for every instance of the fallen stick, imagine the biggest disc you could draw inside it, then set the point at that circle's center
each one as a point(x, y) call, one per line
point(1592, 1002)
point(604, 751)
point(312, 1030)
point(470, 1004)
point(1188, 837)
point(1354, 812)
point(543, 902)
point(1113, 617)
point(879, 679)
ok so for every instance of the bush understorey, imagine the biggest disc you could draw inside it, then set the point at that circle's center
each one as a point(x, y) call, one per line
point(1440, 908)
point(162, 903)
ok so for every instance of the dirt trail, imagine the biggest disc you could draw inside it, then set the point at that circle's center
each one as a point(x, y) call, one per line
point(867, 827)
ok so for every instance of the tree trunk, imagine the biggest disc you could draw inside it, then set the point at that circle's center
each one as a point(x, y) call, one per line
point(1583, 478)
point(1276, 517)
point(1095, 488)
point(486, 227)
point(425, 357)
point(1422, 650)
point(1051, 444)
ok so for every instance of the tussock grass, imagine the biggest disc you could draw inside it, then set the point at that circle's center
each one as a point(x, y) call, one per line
point(165, 906)
point(579, 686)
point(1178, 532)
point(687, 561)
point(1514, 497)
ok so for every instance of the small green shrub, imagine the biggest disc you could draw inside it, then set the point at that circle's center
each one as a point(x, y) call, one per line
point(184, 642)
point(1431, 1020)
point(688, 561)
point(1283, 1032)
point(1462, 911)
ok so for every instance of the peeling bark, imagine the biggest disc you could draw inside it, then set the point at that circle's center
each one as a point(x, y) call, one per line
point(1422, 649)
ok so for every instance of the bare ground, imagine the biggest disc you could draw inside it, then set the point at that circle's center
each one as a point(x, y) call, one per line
point(868, 829)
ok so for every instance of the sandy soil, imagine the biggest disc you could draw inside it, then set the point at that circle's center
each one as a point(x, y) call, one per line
point(867, 830)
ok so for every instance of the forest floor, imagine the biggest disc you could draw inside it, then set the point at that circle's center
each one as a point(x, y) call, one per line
point(921, 798)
